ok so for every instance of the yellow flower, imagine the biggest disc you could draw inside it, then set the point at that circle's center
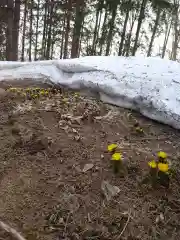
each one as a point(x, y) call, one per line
point(139, 129)
point(152, 164)
point(163, 167)
point(76, 94)
point(116, 157)
point(112, 147)
point(42, 92)
point(162, 155)
point(13, 89)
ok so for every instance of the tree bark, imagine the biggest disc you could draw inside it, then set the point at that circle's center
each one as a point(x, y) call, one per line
point(30, 30)
point(102, 39)
point(68, 18)
point(15, 33)
point(97, 36)
point(37, 31)
point(63, 34)
point(53, 43)
point(176, 32)
point(24, 30)
point(127, 47)
point(9, 37)
point(49, 33)
point(43, 49)
point(80, 4)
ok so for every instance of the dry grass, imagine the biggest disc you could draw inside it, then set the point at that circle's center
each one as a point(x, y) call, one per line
point(44, 192)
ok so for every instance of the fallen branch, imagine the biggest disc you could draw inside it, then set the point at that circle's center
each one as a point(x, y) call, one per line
point(10, 230)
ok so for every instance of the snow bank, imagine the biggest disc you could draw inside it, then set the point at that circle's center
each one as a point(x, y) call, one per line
point(148, 85)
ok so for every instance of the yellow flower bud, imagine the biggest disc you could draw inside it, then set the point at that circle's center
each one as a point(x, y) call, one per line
point(152, 164)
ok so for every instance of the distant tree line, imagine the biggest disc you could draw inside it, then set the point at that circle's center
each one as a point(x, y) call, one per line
point(47, 29)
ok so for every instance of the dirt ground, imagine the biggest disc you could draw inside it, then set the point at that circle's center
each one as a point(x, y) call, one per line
point(47, 194)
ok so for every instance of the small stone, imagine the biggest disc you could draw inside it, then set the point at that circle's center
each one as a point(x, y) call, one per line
point(87, 167)
point(61, 221)
point(77, 138)
point(160, 218)
point(3, 93)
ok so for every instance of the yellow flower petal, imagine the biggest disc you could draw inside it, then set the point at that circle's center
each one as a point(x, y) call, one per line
point(112, 147)
point(163, 167)
point(116, 157)
point(162, 155)
point(152, 164)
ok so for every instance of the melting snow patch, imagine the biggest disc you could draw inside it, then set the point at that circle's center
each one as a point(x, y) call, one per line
point(148, 85)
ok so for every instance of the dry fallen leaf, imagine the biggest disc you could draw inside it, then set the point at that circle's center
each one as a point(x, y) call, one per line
point(109, 190)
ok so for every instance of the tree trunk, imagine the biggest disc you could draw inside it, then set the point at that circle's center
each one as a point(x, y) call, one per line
point(63, 34)
point(154, 32)
point(68, 18)
point(43, 49)
point(98, 29)
point(176, 33)
point(24, 30)
point(103, 36)
point(166, 38)
point(37, 31)
point(95, 34)
point(127, 49)
point(53, 42)
point(30, 30)
point(9, 37)
point(111, 28)
point(140, 19)
point(124, 31)
point(49, 33)
point(15, 34)
point(77, 27)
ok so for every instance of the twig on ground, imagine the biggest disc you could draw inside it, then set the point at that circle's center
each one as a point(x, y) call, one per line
point(150, 138)
point(125, 226)
point(65, 227)
point(10, 230)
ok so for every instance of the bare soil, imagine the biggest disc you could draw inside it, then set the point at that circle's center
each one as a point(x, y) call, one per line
point(44, 193)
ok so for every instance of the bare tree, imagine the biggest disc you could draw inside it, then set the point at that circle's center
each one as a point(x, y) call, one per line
point(9, 45)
